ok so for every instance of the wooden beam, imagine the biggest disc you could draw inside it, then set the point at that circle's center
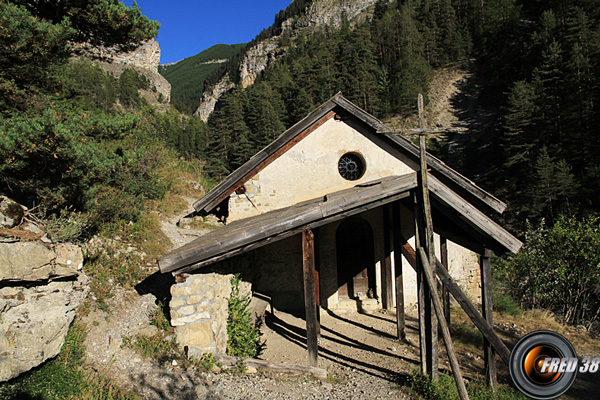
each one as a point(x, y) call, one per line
point(432, 283)
point(397, 235)
point(387, 280)
point(253, 232)
point(449, 175)
point(445, 292)
point(317, 282)
point(319, 373)
point(421, 297)
point(310, 300)
point(489, 358)
point(486, 329)
point(473, 217)
point(431, 323)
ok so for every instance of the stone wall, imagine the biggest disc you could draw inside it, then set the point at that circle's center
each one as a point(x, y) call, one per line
point(199, 311)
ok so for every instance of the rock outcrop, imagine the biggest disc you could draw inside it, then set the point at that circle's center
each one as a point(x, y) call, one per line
point(257, 59)
point(331, 13)
point(210, 98)
point(145, 60)
point(264, 53)
point(41, 286)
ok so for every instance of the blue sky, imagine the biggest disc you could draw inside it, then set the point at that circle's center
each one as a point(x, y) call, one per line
point(190, 26)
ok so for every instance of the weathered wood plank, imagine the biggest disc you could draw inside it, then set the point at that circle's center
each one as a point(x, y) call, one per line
point(387, 279)
point(421, 293)
point(445, 292)
point(399, 282)
point(319, 373)
point(240, 234)
point(310, 299)
point(431, 323)
point(432, 283)
point(283, 235)
point(491, 375)
point(473, 216)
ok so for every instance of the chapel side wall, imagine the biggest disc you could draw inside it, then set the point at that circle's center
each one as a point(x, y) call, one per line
point(309, 169)
point(277, 273)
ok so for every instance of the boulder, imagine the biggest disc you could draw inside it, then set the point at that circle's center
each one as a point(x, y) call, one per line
point(34, 322)
point(11, 213)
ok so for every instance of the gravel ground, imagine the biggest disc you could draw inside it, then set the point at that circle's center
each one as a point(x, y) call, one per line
point(359, 371)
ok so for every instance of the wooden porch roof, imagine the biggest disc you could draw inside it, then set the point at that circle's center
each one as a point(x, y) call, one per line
point(341, 106)
point(250, 233)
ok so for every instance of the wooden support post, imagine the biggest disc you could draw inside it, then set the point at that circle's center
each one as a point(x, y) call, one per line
point(445, 292)
point(486, 300)
point(421, 296)
point(432, 283)
point(486, 330)
point(387, 280)
point(310, 298)
point(431, 323)
point(317, 282)
point(397, 235)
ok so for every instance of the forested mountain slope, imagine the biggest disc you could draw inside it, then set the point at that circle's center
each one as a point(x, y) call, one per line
point(187, 76)
point(537, 67)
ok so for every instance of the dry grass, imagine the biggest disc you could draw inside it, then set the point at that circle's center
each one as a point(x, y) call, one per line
point(186, 181)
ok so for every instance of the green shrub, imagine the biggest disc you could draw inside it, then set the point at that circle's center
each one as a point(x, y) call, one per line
point(243, 334)
point(558, 268)
point(504, 303)
point(467, 334)
point(66, 226)
point(159, 319)
point(157, 346)
point(53, 158)
point(130, 82)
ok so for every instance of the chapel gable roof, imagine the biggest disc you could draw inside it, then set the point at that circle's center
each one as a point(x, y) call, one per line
point(338, 105)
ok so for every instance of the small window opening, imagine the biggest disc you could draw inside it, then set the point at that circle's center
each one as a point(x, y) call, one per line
point(351, 166)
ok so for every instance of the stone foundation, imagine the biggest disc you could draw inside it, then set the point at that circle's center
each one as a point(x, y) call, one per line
point(199, 311)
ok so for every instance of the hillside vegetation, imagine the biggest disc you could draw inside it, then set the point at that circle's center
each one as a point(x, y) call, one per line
point(537, 61)
point(187, 77)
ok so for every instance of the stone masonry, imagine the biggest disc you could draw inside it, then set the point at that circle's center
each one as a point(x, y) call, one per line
point(199, 312)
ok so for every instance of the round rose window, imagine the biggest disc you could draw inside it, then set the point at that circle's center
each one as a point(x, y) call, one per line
point(351, 166)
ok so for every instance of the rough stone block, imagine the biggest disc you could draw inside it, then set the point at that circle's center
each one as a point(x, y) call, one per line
point(175, 303)
point(186, 310)
point(25, 261)
point(197, 335)
point(194, 299)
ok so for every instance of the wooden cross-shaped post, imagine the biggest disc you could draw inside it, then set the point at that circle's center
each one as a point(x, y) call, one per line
point(431, 322)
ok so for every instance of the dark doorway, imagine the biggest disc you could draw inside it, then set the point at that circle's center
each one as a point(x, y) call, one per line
point(355, 259)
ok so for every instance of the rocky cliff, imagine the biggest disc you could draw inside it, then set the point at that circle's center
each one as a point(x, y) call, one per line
point(332, 13)
point(264, 53)
point(145, 60)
